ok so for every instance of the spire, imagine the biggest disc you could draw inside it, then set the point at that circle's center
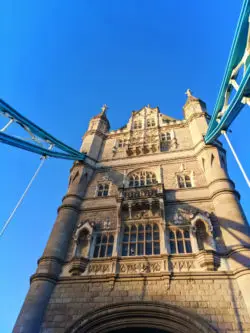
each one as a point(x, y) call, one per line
point(197, 105)
point(104, 108)
point(102, 114)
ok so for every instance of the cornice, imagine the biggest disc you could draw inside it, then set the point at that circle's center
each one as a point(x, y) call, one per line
point(44, 277)
point(67, 206)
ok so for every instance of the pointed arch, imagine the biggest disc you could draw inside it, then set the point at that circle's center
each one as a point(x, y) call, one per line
point(167, 317)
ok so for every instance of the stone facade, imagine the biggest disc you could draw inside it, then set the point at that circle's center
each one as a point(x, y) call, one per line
point(151, 227)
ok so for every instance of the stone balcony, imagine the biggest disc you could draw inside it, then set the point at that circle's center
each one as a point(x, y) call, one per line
point(143, 192)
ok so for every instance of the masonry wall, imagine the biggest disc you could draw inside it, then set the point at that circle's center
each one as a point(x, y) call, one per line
point(215, 298)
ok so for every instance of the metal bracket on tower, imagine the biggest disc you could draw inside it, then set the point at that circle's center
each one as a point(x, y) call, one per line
point(235, 89)
point(41, 141)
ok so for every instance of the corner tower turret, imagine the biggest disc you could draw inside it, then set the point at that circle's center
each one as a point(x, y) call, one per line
point(96, 133)
point(195, 112)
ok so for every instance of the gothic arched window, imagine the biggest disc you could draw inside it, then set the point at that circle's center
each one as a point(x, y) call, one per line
point(139, 240)
point(137, 124)
point(83, 244)
point(201, 234)
point(166, 137)
point(180, 241)
point(184, 181)
point(121, 143)
point(102, 190)
point(142, 178)
point(104, 245)
point(150, 122)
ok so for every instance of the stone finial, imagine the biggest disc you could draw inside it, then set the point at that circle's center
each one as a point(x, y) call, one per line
point(104, 108)
point(188, 93)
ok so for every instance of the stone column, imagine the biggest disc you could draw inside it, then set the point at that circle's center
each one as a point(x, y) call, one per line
point(233, 224)
point(49, 265)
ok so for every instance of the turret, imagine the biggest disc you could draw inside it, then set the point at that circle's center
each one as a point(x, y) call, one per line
point(195, 112)
point(96, 133)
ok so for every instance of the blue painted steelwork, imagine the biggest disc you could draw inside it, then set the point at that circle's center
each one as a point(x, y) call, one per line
point(38, 135)
point(225, 112)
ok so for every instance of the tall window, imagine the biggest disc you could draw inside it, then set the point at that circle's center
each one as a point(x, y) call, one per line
point(180, 241)
point(139, 240)
point(184, 181)
point(166, 137)
point(137, 124)
point(150, 122)
point(142, 178)
point(104, 245)
point(121, 143)
point(102, 190)
point(83, 244)
point(201, 234)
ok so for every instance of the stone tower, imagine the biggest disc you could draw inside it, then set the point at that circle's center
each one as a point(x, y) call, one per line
point(150, 235)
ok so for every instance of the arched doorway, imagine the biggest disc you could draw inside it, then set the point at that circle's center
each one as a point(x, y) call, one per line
point(140, 317)
point(138, 330)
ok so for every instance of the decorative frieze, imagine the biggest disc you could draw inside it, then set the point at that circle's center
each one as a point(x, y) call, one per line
point(95, 269)
point(140, 267)
point(182, 265)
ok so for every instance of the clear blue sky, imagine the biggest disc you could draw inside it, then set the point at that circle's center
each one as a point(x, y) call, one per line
point(61, 60)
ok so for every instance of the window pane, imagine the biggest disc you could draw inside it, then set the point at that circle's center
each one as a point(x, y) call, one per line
point(125, 237)
point(172, 247)
point(188, 246)
point(156, 227)
point(98, 239)
point(125, 249)
point(133, 229)
point(171, 235)
point(131, 182)
point(148, 248)
point(156, 236)
point(96, 251)
point(179, 234)
point(100, 187)
point(188, 181)
point(132, 249)
point(140, 251)
point(156, 248)
point(186, 234)
point(104, 239)
point(126, 229)
point(141, 236)
point(180, 182)
point(140, 228)
point(148, 235)
point(133, 237)
point(105, 193)
point(111, 239)
point(99, 193)
point(180, 246)
point(110, 250)
point(103, 249)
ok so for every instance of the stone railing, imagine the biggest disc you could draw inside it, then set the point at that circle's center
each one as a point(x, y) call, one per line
point(143, 265)
point(141, 192)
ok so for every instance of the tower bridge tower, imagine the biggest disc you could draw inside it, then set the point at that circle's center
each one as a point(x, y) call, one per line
point(150, 236)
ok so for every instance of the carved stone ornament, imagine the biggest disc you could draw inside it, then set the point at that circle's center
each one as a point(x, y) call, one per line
point(178, 219)
point(78, 265)
point(99, 268)
point(107, 224)
point(140, 267)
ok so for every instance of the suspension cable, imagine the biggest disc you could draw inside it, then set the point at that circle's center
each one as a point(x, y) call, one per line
point(236, 158)
point(43, 158)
